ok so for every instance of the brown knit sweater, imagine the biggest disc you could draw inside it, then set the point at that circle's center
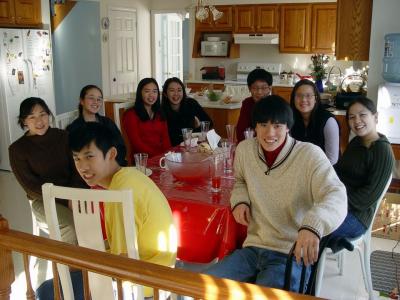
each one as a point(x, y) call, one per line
point(38, 159)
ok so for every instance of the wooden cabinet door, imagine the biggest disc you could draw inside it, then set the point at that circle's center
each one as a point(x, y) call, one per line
point(283, 92)
point(353, 29)
point(245, 19)
point(344, 132)
point(7, 12)
point(295, 28)
point(226, 21)
point(323, 28)
point(27, 12)
point(267, 19)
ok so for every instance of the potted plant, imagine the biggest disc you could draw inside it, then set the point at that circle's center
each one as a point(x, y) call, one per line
point(319, 62)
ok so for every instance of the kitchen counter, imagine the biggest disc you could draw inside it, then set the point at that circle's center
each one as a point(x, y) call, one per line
point(232, 82)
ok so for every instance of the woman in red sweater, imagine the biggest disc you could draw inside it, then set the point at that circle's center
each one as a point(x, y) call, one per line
point(144, 124)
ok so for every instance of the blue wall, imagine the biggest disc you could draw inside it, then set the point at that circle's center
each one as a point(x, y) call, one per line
point(77, 54)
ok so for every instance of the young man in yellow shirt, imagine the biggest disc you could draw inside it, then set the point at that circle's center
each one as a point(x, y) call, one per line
point(100, 160)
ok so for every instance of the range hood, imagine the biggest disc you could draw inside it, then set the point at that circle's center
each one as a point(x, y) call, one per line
point(256, 38)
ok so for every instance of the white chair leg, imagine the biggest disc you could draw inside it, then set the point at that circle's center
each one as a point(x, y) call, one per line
point(320, 273)
point(340, 261)
point(367, 268)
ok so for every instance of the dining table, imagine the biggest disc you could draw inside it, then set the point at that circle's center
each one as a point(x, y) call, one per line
point(206, 228)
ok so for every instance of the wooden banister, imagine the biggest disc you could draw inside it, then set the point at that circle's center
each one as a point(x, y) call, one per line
point(199, 286)
point(6, 266)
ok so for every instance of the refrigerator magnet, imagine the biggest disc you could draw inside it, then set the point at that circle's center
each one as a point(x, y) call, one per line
point(20, 75)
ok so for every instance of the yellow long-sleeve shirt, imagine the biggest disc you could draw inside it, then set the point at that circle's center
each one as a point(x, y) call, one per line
point(155, 230)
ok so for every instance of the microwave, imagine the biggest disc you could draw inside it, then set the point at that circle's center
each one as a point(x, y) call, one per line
point(219, 48)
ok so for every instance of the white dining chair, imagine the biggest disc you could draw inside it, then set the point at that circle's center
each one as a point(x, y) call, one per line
point(86, 211)
point(363, 246)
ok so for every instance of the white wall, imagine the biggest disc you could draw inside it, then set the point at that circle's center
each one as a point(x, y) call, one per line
point(143, 38)
point(385, 19)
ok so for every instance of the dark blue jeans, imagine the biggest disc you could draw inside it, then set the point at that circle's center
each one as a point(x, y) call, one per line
point(257, 265)
point(350, 228)
point(46, 291)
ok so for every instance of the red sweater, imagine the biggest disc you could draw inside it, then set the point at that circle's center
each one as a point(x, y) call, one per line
point(149, 137)
point(244, 118)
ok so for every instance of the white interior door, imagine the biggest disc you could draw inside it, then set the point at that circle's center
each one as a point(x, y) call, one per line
point(167, 55)
point(123, 51)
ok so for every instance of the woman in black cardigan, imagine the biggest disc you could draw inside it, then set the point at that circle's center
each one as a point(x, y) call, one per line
point(181, 111)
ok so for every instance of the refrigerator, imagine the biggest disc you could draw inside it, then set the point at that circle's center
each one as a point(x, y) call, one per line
point(388, 106)
point(26, 70)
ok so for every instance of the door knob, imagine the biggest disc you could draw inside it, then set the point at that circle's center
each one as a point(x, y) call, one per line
point(114, 79)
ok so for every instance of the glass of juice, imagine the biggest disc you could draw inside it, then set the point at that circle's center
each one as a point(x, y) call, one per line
point(216, 172)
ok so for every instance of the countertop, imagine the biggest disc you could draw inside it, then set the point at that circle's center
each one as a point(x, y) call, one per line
point(233, 82)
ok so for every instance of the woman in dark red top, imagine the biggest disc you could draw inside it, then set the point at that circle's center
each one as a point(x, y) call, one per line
point(144, 124)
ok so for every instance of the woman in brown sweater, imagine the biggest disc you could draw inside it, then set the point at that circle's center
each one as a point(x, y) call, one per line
point(42, 155)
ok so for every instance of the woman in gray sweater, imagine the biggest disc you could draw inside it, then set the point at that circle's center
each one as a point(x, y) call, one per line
point(364, 168)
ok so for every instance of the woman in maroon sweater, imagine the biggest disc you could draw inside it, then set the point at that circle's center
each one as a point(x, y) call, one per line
point(144, 124)
point(42, 155)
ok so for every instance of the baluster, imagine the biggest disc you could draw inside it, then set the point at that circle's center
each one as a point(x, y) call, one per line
point(56, 282)
point(156, 294)
point(6, 266)
point(119, 288)
point(30, 294)
point(86, 284)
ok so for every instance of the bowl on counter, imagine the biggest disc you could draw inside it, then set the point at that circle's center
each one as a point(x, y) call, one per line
point(214, 95)
point(187, 166)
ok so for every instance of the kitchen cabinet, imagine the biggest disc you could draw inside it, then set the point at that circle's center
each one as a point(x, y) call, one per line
point(282, 91)
point(256, 18)
point(221, 117)
point(344, 132)
point(225, 23)
point(353, 29)
point(20, 13)
point(198, 87)
point(307, 28)
point(323, 34)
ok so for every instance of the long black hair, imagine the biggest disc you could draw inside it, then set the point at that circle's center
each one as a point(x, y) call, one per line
point(165, 103)
point(26, 107)
point(139, 105)
point(83, 93)
point(296, 113)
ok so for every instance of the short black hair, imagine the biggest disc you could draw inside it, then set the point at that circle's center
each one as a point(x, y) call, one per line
point(102, 136)
point(272, 109)
point(26, 107)
point(364, 101)
point(259, 74)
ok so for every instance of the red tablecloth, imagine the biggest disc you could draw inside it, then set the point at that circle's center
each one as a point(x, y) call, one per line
point(205, 224)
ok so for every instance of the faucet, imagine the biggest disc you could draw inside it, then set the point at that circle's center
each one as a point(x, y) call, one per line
point(328, 83)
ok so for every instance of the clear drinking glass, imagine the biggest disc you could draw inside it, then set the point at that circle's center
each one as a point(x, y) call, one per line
point(205, 126)
point(230, 132)
point(249, 133)
point(141, 161)
point(217, 171)
point(187, 138)
point(228, 157)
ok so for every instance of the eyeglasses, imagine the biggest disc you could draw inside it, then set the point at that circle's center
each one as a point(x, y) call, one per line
point(260, 88)
point(306, 96)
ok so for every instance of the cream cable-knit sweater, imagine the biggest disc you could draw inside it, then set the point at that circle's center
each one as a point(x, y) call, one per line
point(300, 190)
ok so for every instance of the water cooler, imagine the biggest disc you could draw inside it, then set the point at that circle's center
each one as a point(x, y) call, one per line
point(388, 101)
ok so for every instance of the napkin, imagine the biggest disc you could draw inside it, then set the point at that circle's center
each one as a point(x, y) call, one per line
point(213, 138)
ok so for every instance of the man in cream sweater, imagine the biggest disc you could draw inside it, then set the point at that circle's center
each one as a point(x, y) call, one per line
point(286, 191)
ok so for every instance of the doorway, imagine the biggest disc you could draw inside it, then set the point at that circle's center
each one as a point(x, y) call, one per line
point(123, 51)
point(169, 51)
